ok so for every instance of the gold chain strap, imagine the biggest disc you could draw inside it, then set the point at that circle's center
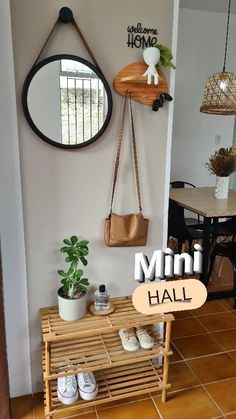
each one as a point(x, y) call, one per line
point(117, 160)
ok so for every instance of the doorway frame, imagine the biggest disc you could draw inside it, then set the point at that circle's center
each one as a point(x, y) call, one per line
point(170, 123)
point(4, 388)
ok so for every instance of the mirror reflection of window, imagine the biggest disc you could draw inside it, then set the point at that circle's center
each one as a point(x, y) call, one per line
point(67, 101)
point(83, 102)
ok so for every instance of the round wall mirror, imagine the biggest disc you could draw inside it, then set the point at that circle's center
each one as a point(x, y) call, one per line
point(67, 101)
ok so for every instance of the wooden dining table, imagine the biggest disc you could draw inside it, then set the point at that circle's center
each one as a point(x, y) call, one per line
point(202, 202)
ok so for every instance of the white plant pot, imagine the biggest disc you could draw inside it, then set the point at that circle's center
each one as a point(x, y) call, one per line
point(222, 187)
point(71, 309)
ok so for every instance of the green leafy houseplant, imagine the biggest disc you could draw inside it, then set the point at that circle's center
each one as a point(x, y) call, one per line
point(74, 285)
point(166, 56)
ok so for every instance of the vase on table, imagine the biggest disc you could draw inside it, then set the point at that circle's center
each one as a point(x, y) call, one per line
point(222, 187)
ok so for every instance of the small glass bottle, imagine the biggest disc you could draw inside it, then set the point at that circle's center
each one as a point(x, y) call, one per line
point(101, 299)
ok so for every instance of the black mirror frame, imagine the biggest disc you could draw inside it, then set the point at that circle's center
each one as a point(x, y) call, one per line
point(25, 90)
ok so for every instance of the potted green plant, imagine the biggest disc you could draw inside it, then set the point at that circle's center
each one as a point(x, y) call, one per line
point(222, 164)
point(166, 56)
point(72, 295)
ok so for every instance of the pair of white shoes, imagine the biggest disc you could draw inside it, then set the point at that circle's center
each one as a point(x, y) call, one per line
point(70, 387)
point(132, 339)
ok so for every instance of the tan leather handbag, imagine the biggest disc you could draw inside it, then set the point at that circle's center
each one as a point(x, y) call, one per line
point(130, 229)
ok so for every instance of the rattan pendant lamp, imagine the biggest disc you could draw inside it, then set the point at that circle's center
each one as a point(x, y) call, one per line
point(220, 88)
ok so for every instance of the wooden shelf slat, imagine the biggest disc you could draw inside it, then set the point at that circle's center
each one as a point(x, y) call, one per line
point(115, 384)
point(125, 315)
point(103, 351)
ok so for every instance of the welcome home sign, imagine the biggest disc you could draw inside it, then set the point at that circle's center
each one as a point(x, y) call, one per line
point(141, 37)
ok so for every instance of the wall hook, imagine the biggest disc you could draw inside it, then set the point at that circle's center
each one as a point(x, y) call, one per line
point(159, 101)
point(65, 15)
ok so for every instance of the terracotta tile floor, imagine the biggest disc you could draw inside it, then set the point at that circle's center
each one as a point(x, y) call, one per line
point(202, 373)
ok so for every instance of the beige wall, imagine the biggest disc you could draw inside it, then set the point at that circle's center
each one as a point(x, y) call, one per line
point(68, 192)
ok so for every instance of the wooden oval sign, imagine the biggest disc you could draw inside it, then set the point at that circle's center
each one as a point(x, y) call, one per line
point(131, 78)
point(163, 297)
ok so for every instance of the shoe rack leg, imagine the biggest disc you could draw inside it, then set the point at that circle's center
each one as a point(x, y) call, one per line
point(48, 401)
point(47, 382)
point(166, 360)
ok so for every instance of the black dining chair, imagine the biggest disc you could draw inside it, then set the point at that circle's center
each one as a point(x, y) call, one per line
point(182, 184)
point(221, 228)
point(224, 228)
point(178, 229)
point(227, 250)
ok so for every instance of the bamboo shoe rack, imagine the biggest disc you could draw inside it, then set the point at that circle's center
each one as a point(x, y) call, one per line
point(93, 344)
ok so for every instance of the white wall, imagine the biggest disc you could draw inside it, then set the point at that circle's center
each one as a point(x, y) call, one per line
point(210, 5)
point(11, 221)
point(200, 52)
point(68, 192)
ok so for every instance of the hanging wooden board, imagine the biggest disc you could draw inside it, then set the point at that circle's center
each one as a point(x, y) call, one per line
point(131, 78)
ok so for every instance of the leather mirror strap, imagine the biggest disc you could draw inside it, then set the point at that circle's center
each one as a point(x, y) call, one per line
point(45, 43)
point(85, 43)
point(73, 22)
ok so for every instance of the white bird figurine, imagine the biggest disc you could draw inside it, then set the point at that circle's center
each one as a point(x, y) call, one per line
point(151, 57)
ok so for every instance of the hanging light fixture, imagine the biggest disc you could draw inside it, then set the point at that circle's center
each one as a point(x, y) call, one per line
point(220, 88)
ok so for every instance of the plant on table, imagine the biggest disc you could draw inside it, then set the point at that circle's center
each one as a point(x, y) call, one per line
point(222, 163)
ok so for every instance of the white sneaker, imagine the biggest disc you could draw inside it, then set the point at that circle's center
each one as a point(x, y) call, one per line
point(128, 339)
point(145, 340)
point(67, 389)
point(88, 388)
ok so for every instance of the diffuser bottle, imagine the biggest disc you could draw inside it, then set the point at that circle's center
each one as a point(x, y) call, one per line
point(101, 299)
